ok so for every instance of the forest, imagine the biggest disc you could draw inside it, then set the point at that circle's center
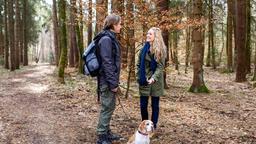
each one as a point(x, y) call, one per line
point(209, 73)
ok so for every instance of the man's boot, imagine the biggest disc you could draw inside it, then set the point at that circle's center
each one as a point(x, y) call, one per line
point(113, 136)
point(103, 139)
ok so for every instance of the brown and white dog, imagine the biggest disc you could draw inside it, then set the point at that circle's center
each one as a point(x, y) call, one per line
point(142, 135)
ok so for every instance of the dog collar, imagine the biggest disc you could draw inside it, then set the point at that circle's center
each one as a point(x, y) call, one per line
point(145, 134)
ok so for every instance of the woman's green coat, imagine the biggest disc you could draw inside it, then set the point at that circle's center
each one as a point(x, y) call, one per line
point(157, 88)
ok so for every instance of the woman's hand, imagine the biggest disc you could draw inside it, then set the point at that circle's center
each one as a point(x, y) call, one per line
point(150, 81)
point(114, 89)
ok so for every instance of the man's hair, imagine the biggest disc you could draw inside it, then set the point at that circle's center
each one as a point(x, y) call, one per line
point(110, 21)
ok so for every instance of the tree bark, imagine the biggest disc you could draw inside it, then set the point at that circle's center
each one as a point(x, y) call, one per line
point(130, 40)
point(248, 37)
point(55, 32)
point(63, 57)
point(80, 47)
point(21, 36)
point(131, 45)
point(188, 47)
point(229, 48)
point(188, 38)
point(235, 35)
point(81, 22)
point(254, 74)
point(6, 36)
point(223, 44)
point(79, 31)
point(198, 85)
point(208, 58)
point(17, 33)
point(76, 50)
point(11, 35)
point(241, 40)
point(89, 24)
point(1, 33)
point(73, 44)
point(213, 53)
point(25, 33)
point(175, 49)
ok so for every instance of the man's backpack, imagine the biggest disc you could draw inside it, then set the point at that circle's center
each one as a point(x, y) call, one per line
point(91, 61)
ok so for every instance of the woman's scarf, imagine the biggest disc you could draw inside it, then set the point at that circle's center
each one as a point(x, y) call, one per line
point(142, 67)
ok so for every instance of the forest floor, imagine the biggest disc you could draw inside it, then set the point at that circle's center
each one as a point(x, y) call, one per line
point(36, 109)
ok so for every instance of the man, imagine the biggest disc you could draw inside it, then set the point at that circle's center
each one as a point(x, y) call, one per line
point(108, 78)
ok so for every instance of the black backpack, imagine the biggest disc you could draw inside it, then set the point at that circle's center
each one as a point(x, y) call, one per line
point(91, 62)
point(91, 59)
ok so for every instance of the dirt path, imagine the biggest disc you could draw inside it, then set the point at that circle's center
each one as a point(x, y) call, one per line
point(26, 115)
point(35, 109)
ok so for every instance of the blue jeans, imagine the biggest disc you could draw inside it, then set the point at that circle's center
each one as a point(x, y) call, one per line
point(144, 108)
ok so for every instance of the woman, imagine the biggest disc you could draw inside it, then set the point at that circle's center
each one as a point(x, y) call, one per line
point(150, 73)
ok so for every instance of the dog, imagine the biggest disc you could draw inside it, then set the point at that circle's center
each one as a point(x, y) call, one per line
point(142, 135)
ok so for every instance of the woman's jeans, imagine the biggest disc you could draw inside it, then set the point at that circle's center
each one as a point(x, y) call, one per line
point(144, 108)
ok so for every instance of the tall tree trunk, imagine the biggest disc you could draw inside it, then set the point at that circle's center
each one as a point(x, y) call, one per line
point(101, 13)
point(188, 37)
point(175, 49)
point(17, 33)
point(235, 35)
point(21, 37)
point(198, 84)
point(55, 32)
point(223, 44)
point(188, 47)
point(89, 24)
point(1, 42)
point(11, 35)
point(241, 40)
point(6, 36)
point(208, 58)
point(254, 74)
point(164, 6)
point(79, 31)
point(73, 44)
point(80, 47)
point(131, 45)
point(76, 50)
point(42, 48)
point(229, 48)
point(212, 36)
point(25, 33)
point(130, 40)
point(63, 57)
point(171, 55)
point(1, 33)
point(81, 22)
point(248, 37)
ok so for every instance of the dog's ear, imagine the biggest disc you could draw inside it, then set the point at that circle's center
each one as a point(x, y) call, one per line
point(142, 126)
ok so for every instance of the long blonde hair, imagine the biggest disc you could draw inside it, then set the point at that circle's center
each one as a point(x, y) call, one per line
point(158, 47)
